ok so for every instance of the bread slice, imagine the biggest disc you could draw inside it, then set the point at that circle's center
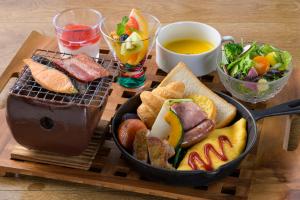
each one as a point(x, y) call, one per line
point(225, 111)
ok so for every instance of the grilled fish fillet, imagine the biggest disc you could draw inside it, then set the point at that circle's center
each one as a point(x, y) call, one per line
point(50, 78)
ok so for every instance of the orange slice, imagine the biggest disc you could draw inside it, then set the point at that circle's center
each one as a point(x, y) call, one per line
point(141, 21)
point(50, 78)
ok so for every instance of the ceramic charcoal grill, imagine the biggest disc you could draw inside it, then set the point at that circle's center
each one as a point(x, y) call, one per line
point(48, 121)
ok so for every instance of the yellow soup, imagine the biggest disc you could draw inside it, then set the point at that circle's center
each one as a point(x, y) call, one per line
point(189, 46)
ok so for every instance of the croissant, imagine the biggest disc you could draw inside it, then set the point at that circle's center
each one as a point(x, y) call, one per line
point(153, 101)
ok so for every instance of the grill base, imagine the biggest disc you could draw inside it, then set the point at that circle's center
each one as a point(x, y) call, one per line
point(63, 129)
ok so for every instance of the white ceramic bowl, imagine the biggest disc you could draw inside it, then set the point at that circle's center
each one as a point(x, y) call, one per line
point(202, 63)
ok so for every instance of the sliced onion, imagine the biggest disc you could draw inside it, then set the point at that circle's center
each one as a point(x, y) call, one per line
point(252, 73)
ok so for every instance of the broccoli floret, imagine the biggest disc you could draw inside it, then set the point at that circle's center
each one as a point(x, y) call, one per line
point(232, 51)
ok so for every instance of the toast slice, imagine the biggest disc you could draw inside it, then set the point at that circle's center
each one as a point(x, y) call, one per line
point(225, 111)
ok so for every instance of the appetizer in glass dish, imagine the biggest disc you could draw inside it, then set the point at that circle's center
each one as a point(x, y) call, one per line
point(77, 31)
point(131, 39)
point(254, 72)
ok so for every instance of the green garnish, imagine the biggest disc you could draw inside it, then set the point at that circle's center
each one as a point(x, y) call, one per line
point(176, 158)
point(180, 153)
point(121, 26)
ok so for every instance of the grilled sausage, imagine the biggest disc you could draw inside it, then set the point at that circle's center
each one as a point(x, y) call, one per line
point(198, 133)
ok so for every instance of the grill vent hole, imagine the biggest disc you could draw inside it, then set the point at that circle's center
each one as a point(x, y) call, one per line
point(46, 123)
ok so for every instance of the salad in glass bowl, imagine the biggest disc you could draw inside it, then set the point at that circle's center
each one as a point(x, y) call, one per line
point(254, 72)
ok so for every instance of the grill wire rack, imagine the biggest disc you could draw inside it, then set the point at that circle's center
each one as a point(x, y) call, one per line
point(90, 94)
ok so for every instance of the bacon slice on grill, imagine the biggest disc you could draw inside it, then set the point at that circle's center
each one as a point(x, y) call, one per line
point(82, 67)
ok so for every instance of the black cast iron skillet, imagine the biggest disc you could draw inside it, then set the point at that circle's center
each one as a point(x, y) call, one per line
point(199, 177)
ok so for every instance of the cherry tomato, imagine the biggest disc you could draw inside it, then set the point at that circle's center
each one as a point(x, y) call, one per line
point(262, 65)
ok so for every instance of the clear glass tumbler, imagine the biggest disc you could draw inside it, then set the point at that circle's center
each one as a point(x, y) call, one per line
point(78, 31)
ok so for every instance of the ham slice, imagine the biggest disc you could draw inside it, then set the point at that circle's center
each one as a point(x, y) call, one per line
point(82, 67)
point(190, 114)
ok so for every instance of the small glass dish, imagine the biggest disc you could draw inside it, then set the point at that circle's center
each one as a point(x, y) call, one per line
point(252, 92)
point(78, 31)
point(131, 71)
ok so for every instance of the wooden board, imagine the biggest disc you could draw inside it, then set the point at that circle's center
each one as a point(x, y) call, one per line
point(82, 161)
point(110, 170)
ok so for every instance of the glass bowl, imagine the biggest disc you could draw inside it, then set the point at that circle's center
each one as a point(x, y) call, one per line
point(253, 92)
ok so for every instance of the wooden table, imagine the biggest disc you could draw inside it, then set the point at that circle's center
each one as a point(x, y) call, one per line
point(276, 22)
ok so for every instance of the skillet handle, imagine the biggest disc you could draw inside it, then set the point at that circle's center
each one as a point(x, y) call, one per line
point(290, 107)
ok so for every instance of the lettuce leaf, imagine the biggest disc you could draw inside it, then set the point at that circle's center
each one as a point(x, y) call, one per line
point(242, 68)
point(286, 59)
point(282, 57)
point(266, 48)
point(246, 64)
point(242, 57)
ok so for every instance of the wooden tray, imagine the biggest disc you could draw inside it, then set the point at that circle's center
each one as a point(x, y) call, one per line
point(269, 170)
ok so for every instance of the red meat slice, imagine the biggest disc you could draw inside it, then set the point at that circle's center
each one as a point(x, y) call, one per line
point(82, 67)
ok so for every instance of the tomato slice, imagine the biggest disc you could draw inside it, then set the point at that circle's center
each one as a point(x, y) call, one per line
point(131, 24)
